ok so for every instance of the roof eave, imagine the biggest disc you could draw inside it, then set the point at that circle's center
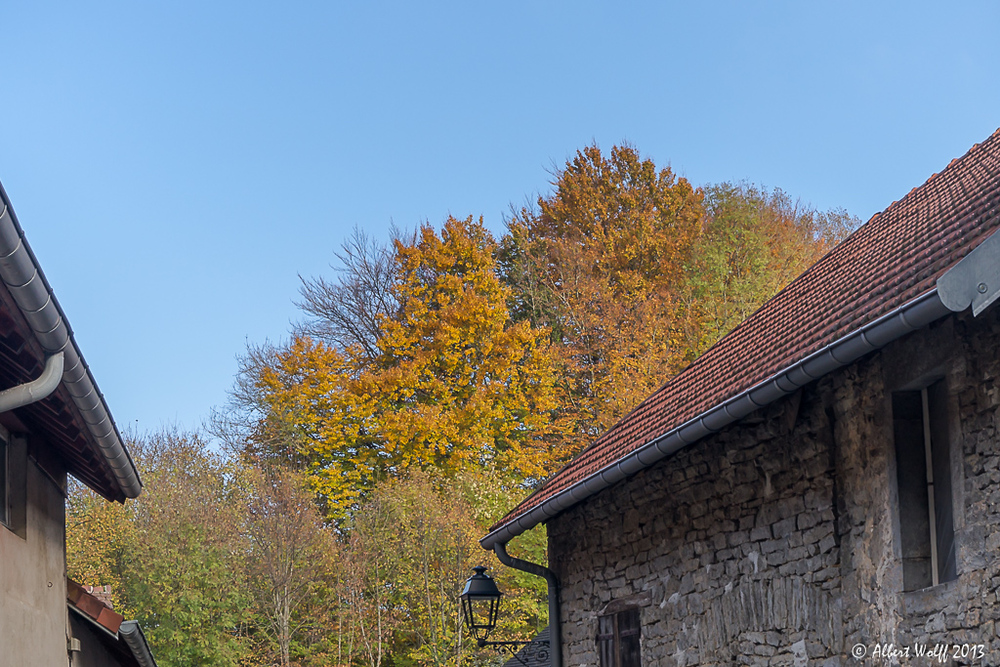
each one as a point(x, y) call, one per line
point(22, 274)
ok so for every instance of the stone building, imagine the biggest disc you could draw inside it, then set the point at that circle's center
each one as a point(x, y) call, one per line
point(53, 423)
point(821, 487)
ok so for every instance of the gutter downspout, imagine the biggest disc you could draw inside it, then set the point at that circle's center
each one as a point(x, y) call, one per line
point(555, 637)
point(37, 389)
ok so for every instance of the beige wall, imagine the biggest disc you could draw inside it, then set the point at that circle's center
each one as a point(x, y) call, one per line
point(33, 577)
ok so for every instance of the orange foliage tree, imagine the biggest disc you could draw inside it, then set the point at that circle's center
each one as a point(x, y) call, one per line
point(449, 382)
point(601, 262)
point(635, 272)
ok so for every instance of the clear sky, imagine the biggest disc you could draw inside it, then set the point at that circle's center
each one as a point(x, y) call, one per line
point(176, 166)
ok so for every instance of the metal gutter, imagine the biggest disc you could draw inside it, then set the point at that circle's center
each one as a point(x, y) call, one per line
point(975, 280)
point(21, 273)
point(131, 633)
point(128, 633)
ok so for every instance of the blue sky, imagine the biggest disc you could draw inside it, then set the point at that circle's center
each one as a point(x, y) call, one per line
point(177, 166)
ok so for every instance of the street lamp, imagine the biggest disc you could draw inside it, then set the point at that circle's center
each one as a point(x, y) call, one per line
point(480, 606)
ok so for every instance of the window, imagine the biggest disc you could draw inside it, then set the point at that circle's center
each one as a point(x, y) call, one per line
point(618, 639)
point(923, 476)
point(13, 489)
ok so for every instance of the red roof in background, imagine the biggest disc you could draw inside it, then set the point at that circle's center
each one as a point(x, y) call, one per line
point(895, 257)
point(92, 606)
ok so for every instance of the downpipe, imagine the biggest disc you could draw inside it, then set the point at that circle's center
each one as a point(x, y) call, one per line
point(37, 389)
point(555, 638)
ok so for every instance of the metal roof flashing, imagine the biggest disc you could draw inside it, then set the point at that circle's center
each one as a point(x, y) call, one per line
point(23, 277)
point(975, 280)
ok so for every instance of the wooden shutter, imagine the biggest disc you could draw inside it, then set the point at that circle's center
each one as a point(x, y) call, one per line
point(606, 640)
point(618, 639)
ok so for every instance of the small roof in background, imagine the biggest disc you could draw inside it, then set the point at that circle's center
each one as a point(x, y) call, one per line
point(122, 639)
point(94, 608)
point(531, 655)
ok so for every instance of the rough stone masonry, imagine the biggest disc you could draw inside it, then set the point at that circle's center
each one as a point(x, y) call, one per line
point(777, 540)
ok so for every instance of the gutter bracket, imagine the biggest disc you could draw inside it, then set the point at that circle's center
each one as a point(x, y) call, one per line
point(973, 281)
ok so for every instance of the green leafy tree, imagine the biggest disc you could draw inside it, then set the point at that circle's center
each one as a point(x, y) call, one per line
point(174, 555)
point(415, 541)
point(753, 242)
point(180, 578)
point(289, 564)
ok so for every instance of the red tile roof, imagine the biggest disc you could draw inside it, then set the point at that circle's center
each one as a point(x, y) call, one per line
point(896, 256)
point(93, 607)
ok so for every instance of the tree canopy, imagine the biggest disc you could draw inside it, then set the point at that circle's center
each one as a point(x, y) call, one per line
point(434, 381)
point(636, 272)
point(446, 381)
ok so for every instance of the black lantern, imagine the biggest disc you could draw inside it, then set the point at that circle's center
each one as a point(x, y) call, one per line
point(480, 604)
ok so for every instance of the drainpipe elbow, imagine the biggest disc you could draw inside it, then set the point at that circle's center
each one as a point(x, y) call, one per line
point(37, 389)
point(555, 637)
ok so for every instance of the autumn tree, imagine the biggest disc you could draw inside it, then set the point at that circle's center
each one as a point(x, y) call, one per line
point(412, 545)
point(372, 612)
point(636, 273)
point(182, 581)
point(432, 539)
point(487, 497)
point(600, 261)
point(753, 242)
point(444, 382)
point(172, 556)
point(99, 535)
point(289, 563)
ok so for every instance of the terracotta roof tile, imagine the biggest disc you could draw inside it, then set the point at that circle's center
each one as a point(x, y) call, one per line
point(892, 259)
point(93, 607)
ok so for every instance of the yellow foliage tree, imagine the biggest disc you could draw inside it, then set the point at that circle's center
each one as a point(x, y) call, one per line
point(452, 382)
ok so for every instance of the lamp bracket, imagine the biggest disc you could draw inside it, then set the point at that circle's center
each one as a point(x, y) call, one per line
point(536, 651)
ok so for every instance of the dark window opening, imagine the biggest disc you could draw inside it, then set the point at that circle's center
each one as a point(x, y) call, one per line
point(4, 500)
point(4, 485)
point(923, 476)
point(618, 639)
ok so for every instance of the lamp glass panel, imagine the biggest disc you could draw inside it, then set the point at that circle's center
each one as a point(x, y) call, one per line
point(480, 615)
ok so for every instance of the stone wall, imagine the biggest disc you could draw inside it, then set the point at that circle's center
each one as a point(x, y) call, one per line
point(776, 541)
